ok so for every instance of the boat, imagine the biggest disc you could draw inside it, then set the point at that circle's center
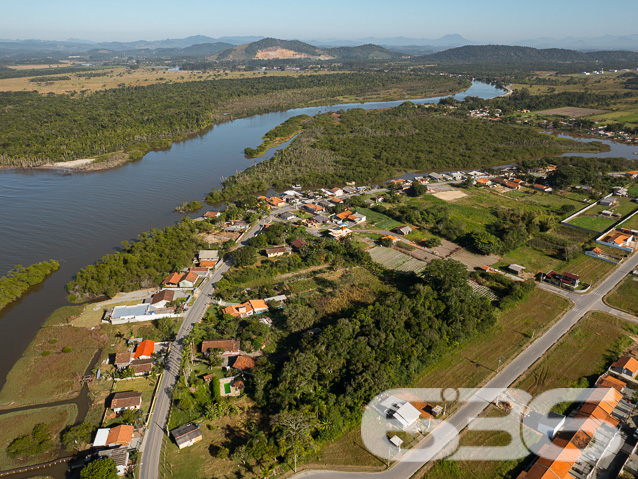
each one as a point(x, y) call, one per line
point(295, 187)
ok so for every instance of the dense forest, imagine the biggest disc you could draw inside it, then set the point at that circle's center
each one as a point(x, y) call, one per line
point(368, 146)
point(17, 281)
point(143, 263)
point(38, 129)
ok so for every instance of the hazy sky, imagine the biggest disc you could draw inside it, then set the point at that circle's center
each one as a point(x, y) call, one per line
point(494, 21)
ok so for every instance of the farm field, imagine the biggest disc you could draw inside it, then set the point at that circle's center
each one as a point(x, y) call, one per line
point(571, 111)
point(625, 295)
point(396, 260)
point(631, 223)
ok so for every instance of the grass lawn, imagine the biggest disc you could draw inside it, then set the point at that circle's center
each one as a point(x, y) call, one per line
point(531, 258)
point(633, 190)
point(348, 450)
point(472, 363)
point(379, 220)
point(593, 223)
point(17, 424)
point(625, 295)
point(631, 223)
point(199, 460)
point(146, 386)
point(601, 335)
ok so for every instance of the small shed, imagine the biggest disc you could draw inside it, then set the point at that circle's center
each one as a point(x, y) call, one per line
point(187, 435)
point(517, 269)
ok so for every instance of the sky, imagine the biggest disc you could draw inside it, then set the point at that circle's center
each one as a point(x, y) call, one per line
point(489, 21)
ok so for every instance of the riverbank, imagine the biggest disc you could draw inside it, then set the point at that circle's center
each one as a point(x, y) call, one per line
point(139, 137)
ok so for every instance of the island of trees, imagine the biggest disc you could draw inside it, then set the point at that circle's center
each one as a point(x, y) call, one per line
point(17, 281)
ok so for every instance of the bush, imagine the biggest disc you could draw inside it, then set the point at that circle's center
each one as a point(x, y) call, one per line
point(67, 349)
point(45, 353)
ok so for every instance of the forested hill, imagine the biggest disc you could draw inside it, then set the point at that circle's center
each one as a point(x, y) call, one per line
point(362, 52)
point(273, 48)
point(509, 54)
point(266, 48)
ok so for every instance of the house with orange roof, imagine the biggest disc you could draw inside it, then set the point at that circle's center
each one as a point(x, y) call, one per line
point(543, 188)
point(189, 280)
point(607, 381)
point(259, 306)
point(343, 216)
point(244, 363)
point(276, 202)
point(618, 239)
point(172, 280)
point(212, 214)
point(120, 436)
point(483, 182)
point(239, 310)
point(313, 208)
point(632, 174)
point(626, 365)
point(145, 349)
point(336, 200)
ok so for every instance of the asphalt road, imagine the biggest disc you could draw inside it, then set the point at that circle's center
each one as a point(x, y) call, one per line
point(152, 442)
point(430, 446)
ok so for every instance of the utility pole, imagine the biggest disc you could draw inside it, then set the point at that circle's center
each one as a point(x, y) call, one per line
point(499, 364)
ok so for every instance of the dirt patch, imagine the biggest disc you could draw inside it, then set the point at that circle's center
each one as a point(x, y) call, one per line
point(219, 237)
point(472, 260)
point(571, 111)
point(37, 66)
point(452, 195)
point(446, 248)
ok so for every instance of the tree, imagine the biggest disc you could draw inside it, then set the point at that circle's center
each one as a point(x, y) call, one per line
point(417, 189)
point(32, 444)
point(385, 241)
point(77, 437)
point(104, 468)
point(432, 242)
point(245, 256)
point(299, 317)
point(295, 429)
point(166, 328)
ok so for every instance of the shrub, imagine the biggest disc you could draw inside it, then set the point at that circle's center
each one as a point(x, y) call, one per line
point(45, 353)
point(67, 349)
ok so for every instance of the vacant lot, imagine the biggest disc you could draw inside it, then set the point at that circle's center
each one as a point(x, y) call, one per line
point(381, 221)
point(601, 335)
point(473, 362)
point(450, 195)
point(631, 223)
point(625, 295)
point(594, 223)
point(571, 111)
point(18, 424)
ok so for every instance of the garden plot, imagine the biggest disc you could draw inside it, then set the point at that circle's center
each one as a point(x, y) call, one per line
point(393, 259)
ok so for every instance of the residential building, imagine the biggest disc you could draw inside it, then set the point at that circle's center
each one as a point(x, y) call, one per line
point(228, 346)
point(313, 208)
point(126, 400)
point(212, 214)
point(341, 217)
point(618, 239)
point(159, 300)
point(517, 269)
point(114, 437)
point(145, 349)
point(208, 255)
point(357, 218)
point(258, 306)
point(626, 365)
point(277, 251)
point(239, 310)
point(336, 191)
point(483, 182)
point(547, 425)
point(172, 280)
point(122, 360)
point(336, 200)
point(288, 215)
point(188, 281)
point(142, 366)
point(186, 435)
point(543, 188)
point(244, 363)
point(298, 244)
point(276, 202)
point(403, 230)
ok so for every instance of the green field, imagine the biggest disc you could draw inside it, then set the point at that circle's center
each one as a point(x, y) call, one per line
point(593, 223)
point(381, 221)
point(625, 295)
point(633, 190)
point(631, 223)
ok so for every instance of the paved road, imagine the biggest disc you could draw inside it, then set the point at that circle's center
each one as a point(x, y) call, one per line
point(424, 451)
point(152, 443)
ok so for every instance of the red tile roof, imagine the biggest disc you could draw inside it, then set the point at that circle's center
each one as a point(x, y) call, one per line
point(244, 363)
point(145, 348)
point(226, 345)
point(626, 362)
point(121, 435)
point(190, 277)
point(173, 278)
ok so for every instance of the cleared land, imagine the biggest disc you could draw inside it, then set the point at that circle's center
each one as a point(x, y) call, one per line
point(393, 259)
point(603, 337)
point(17, 424)
point(625, 295)
point(571, 111)
point(379, 220)
point(450, 195)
